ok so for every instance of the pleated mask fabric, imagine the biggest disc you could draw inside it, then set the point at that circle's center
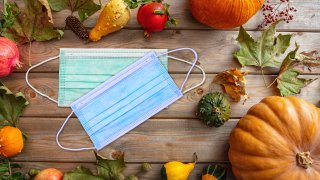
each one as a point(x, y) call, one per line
point(82, 70)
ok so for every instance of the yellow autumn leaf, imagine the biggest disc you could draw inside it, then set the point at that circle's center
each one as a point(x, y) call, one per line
point(234, 83)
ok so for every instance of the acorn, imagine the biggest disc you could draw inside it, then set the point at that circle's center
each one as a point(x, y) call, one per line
point(77, 27)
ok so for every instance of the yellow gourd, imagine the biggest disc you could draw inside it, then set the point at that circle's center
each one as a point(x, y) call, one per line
point(175, 170)
point(114, 16)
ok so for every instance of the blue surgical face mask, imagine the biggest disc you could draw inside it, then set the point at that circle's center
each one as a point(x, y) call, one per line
point(127, 99)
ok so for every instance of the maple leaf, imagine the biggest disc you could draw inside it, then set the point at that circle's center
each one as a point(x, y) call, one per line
point(263, 52)
point(288, 81)
point(233, 82)
point(85, 8)
point(33, 23)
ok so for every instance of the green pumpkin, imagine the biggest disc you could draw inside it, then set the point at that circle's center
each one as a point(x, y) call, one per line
point(214, 109)
point(214, 172)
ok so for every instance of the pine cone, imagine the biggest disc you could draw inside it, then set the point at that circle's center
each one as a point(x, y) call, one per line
point(77, 27)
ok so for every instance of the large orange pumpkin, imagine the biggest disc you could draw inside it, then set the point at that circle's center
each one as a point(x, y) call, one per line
point(224, 14)
point(279, 138)
point(11, 141)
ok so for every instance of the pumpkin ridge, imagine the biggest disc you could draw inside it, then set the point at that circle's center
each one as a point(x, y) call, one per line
point(240, 165)
point(241, 10)
point(240, 130)
point(283, 142)
point(310, 140)
point(288, 134)
point(266, 106)
point(284, 132)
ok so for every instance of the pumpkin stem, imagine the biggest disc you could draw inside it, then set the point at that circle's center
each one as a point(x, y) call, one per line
point(304, 160)
point(216, 110)
point(195, 158)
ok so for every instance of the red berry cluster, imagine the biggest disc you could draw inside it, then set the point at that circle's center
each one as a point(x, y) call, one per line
point(274, 11)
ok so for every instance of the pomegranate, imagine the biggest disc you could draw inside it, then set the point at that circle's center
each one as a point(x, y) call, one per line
point(9, 56)
point(154, 17)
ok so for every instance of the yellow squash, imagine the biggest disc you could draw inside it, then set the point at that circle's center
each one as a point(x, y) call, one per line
point(114, 16)
point(175, 170)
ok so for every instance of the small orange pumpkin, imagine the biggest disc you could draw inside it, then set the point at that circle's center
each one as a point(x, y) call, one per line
point(11, 141)
point(224, 14)
point(279, 138)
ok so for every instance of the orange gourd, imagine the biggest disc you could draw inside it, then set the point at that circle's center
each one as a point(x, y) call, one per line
point(224, 14)
point(279, 138)
point(11, 141)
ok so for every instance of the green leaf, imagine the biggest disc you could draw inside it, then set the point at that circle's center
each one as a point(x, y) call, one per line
point(11, 106)
point(85, 8)
point(110, 169)
point(8, 171)
point(80, 173)
point(159, 12)
point(261, 53)
point(288, 81)
point(33, 23)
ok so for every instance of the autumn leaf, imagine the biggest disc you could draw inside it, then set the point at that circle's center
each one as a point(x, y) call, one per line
point(288, 81)
point(263, 52)
point(11, 106)
point(110, 168)
point(33, 23)
point(233, 82)
point(107, 169)
point(85, 8)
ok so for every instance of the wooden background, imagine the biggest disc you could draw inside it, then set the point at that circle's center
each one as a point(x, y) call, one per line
point(173, 134)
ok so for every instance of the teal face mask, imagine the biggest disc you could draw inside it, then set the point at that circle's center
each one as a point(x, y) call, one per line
point(81, 70)
point(127, 99)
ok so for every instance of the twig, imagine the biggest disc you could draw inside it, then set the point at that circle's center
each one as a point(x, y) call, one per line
point(4, 7)
point(9, 167)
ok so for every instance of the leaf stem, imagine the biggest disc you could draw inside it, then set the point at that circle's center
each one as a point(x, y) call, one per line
point(263, 76)
point(274, 81)
point(29, 54)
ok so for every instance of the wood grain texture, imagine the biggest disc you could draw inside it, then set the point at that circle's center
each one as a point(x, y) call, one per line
point(156, 140)
point(183, 108)
point(153, 174)
point(306, 19)
point(174, 133)
point(215, 48)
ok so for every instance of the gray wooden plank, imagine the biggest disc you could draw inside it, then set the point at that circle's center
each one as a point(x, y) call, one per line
point(156, 141)
point(215, 48)
point(183, 108)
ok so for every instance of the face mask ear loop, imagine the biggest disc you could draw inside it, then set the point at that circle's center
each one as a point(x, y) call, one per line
point(199, 67)
point(33, 88)
point(59, 132)
point(190, 70)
